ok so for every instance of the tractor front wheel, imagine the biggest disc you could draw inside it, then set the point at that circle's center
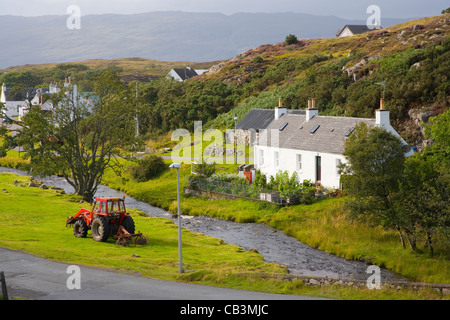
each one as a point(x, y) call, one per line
point(100, 229)
point(80, 229)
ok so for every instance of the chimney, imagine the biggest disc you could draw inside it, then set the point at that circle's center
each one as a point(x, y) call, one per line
point(382, 116)
point(279, 111)
point(311, 112)
point(40, 96)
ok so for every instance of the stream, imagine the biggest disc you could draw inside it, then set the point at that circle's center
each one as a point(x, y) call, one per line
point(273, 245)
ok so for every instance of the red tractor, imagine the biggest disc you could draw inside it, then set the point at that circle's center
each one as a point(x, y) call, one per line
point(107, 218)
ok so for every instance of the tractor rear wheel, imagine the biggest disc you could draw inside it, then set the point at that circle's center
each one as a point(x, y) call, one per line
point(128, 224)
point(100, 229)
point(80, 229)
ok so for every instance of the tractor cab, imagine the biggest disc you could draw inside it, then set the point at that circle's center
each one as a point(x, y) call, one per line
point(109, 206)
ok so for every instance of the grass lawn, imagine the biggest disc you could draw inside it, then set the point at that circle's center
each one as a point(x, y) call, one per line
point(33, 220)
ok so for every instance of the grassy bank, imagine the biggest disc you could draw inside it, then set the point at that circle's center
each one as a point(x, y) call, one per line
point(33, 219)
point(321, 225)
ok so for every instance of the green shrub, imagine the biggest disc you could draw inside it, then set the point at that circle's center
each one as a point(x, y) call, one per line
point(148, 168)
point(205, 169)
point(258, 59)
point(291, 39)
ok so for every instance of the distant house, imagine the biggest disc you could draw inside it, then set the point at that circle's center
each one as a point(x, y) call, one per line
point(257, 120)
point(310, 145)
point(351, 30)
point(38, 98)
point(11, 109)
point(182, 74)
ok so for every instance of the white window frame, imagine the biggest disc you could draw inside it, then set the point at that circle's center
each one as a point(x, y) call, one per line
point(261, 157)
point(276, 159)
point(298, 161)
point(338, 163)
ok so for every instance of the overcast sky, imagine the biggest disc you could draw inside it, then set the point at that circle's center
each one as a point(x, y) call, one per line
point(353, 9)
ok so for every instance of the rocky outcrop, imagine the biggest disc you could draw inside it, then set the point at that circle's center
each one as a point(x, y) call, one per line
point(421, 115)
point(360, 67)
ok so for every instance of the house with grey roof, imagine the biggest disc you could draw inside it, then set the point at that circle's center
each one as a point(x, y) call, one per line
point(38, 97)
point(351, 30)
point(309, 145)
point(183, 74)
point(11, 108)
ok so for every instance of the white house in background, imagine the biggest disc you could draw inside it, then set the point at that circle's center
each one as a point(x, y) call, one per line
point(311, 145)
point(47, 106)
point(182, 74)
point(351, 30)
point(11, 107)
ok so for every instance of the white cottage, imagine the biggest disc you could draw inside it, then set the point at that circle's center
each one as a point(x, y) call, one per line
point(311, 145)
point(182, 74)
point(351, 30)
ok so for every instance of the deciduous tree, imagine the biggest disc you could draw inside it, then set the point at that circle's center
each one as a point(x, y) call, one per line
point(77, 141)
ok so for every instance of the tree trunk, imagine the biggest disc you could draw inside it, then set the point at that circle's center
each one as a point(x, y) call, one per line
point(412, 242)
point(401, 237)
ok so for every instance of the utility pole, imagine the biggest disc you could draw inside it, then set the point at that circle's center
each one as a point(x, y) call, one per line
point(137, 108)
point(180, 255)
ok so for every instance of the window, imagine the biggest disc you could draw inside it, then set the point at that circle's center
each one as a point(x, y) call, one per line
point(261, 157)
point(349, 132)
point(283, 126)
point(338, 164)
point(313, 130)
point(276, 159)
point(103, 207)
point(299, 162)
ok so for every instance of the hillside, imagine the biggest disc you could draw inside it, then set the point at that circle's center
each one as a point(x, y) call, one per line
point(341, 73)
point(388, 40)
point(167, 36)
point(129, 69)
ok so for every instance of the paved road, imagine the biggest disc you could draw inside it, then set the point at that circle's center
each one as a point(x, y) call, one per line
point(35, 278)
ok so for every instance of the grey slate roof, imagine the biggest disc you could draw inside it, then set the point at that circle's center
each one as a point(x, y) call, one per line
point(259, 119)
point(355, 29)
point(329, 137)
point(12, 108)
point(256, 119)
point(186, 73)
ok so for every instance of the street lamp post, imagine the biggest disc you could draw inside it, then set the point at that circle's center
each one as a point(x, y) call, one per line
point(180, 256)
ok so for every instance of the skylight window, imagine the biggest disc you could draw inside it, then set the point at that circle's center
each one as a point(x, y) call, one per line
point(349, 132)
point(315, 129)
point(283, 126)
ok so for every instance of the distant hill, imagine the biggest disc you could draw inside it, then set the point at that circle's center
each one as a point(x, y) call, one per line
point(128, 69)
point(167, 36)
point(344, 75)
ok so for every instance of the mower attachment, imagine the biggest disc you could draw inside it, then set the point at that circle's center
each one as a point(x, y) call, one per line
point(124, 237)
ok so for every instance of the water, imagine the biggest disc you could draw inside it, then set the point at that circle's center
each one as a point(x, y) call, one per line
point(273, 245)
